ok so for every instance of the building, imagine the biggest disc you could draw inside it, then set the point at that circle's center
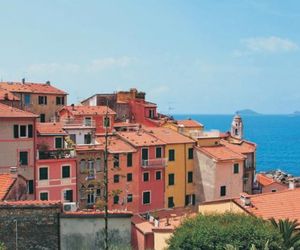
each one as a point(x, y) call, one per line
point(179, 173)
point(18, 143)
point(42, 99)
point(9, 99)
point(188, 127)
point(13, 187)
point(274, 181)
point(151, 164)
point(56, 165)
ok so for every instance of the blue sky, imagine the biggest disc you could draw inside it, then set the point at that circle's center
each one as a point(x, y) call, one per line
point(189, 56)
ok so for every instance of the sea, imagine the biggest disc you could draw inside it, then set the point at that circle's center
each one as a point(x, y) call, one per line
point(277, 138)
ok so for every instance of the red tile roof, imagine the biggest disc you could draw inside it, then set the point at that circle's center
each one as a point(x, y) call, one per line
point(221, 153)
point(6, 183)
point(140, 138)
point(50, 128)
point(89, 110)
point(6, 95)
point(240, 146)
point(169, 136)
point(30, 203)
point(190, 123)
point(116, 145)
point(7, 111)
point(264, 180)
point(36, 88)
point(280, 205)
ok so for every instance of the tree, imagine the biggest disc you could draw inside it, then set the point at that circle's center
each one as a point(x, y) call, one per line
point(215, 231)
point(288, 230)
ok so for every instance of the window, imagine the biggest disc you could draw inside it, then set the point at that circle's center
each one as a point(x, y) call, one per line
point(88, 121)
point(129, 198)
point(43, 173)
point(129, 177)
point(151, 113)
point(30, 187)
point(58, 142)
point(158, 175)
point(91, 195)
point(98, 192)
point(158, 152)
point(146, 197)
point(60, 100)
point(223, 191)
point(116, 199)
point(190, 199)
point(42, 100)
point(170, 202)
point(129, 160)
point(23, 131)
point(68, 195)
point(87, 139)
point(236, 168)
point(171, 155)
point(116, 178)
point(91, 169)
point(171, 179)
point(43, 196)
point(144, 156)
point(106, 122)
point(191, 153)
point(146, 176)
point(27, 99)
point(116, 160)
point(66, 172)
point(82, 166)
point(23, 158)
point(190, 177)
point(273, 190)
point(42, 118)
point(16, 131)
point(98, 165)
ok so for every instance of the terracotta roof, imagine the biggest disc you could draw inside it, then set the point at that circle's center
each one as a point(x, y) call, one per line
point(125, 124)
point(6, 182)
point(240, 146)
point(30, 203)
point(264, 180)
point(221, 153)
point(280, 205)
point(7, 111)
point(116, 145)
point(38, 88)
point(190, 123)
point(88, 110)
point(140, 138)
point(50, 128)
point(169, 136)
point(91, 147)
point(6, 95)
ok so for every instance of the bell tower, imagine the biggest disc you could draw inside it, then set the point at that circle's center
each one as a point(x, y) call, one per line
point(237, 127)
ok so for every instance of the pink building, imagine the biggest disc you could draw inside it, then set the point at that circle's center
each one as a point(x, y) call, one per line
point(56, 165)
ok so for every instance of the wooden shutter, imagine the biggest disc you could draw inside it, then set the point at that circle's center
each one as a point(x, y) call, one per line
point(16, 131)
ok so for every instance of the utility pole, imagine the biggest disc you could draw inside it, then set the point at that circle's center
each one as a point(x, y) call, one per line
point(106, 179)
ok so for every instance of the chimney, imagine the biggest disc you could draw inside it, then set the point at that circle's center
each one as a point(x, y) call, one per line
point(291, 183)
point(6, 96)
point(245, 199)
point(48, 83)
point(73, 106)
point(23, 80)
point(13, 172)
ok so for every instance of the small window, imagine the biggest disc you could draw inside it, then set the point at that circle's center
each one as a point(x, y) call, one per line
point(129, 198)
point(43, 196)
point(116, 160)
point(60, 100)
point(170, 202)
point(223, 191)
point(191, 153)
point(236, 168)
point(145, 155)
point(68, 195)
point(146, 176)
point(43, 173)
point(116, 178)
point(190, 177)
point(146, 198)
point(82, 166)
point(116, 199)
point(98, 165)
point(42, 100)
point(87, 139)
point(27, 99)
point(129, 160)
point(98, 192)
point(158, 152)
point(23, 158)
point(171, 179)
point(23, 131)
point(66, 172)
point(42, 118)
point(106, 122)
point(171, 155)
point(30, 187)
point(58, 142)
point(273, 190)
point(16, 131)
point(129, 177)
point(158, 175)
point(88, 121)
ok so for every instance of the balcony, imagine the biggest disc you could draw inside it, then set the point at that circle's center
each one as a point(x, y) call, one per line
point(155, 163)
point(56, 154)
point(70, 123)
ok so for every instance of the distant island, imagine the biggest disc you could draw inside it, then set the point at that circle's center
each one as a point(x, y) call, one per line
point(248, 112)
point(296, 113)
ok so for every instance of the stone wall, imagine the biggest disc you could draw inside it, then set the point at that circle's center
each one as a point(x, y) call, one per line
point(33, 226)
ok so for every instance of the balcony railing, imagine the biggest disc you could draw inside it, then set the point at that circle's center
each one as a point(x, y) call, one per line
point(56, 154)
point(70, 123)
point(154, 163)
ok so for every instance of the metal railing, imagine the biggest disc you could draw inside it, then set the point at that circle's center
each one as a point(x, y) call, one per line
point(79, 123)
point(155, 163)
point(56, 154)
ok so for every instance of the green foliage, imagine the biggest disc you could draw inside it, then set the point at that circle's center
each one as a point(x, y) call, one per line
point(215, 231)
point(290, 233)
point(2, 246)
point(253, 247)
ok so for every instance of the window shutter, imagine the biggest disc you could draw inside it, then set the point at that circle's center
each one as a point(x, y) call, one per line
point(16, 131)
point(46, 100)
point(30, 131)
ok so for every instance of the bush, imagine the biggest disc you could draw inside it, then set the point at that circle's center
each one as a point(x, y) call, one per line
point(215, 231)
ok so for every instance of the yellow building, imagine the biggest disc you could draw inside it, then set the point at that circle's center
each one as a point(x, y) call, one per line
point(179, 173)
